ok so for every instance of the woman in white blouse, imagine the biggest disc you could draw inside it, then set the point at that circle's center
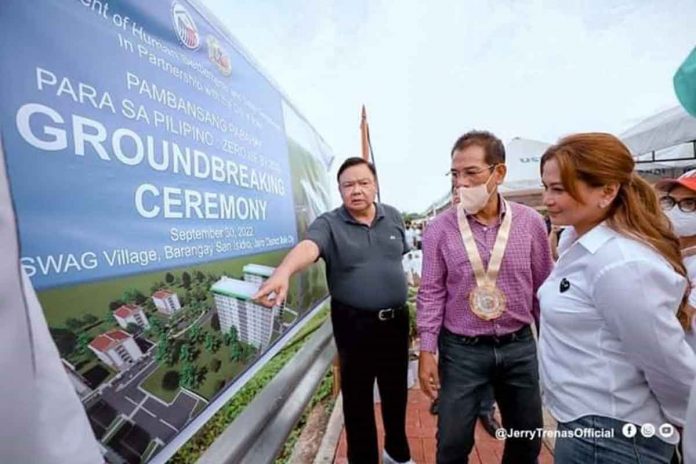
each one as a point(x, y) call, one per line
point(615, 368)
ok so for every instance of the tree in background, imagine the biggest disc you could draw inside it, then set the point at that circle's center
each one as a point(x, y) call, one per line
point(65, 340)
point(186, 280)
point(115, 304)
point(195, 333)
point(185, 353)
point(158, 286)
point(133, 296)
point(156, 326)
point(169, 278)
point(236, 352)
point(209, 342)
point(163, 348)
point(200, 277)
point(83, 342)
point(89, 319)
point(73, 324)
point(188, 375)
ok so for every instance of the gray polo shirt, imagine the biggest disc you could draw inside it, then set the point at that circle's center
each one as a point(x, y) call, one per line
point(363, 264)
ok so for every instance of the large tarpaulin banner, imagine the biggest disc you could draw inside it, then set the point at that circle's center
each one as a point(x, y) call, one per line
point(157, 178)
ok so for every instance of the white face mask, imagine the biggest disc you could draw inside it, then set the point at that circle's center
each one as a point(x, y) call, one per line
point(473, 199)
point(684, 224)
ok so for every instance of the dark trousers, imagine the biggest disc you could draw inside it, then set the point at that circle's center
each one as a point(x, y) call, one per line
point(487, 405)
point(370, 349)
point(468, 367)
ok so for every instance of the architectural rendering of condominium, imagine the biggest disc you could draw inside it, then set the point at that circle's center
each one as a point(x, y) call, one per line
point(131, 314)
point(255, 323)
point(166, 302)
point(116, 348)
point(257, 273)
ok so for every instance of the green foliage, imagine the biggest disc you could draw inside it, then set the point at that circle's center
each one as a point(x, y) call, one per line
point(133, 296)
point(193, 449)
point(158, 286)
point(163, 348)
point(234, 337)
point(185, 353)
point(115, 304)
point(169, 278)
point(195, 334)
point(89, 319)
point(156, 326)
point(186, 280)
point(321, 396)
point(236, 351)
point(188, 375)
point(73, 324)
point(82, 342)
point(65, 339)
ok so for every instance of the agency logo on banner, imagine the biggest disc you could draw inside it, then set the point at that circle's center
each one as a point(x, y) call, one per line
point(219, 56)
point(185, 26)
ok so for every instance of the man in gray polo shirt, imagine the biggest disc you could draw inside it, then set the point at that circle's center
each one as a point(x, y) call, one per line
point(362, 243)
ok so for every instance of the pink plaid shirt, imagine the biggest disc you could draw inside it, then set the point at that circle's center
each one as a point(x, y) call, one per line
point(447, 277)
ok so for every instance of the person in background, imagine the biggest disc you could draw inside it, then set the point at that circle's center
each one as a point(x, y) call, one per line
point(362, 243)
point(482, 264)
point(410, 235)
point(678, 201)
point(612, 353)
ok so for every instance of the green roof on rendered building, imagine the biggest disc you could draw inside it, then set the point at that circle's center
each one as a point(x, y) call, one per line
point(240, 289)
point(258, 269)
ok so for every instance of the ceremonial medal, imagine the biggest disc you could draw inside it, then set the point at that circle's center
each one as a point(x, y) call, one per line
point(486, 300)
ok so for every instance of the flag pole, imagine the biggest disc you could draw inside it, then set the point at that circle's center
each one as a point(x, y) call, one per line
point(366, 144)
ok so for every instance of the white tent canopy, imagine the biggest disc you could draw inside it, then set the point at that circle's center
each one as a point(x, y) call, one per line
point(522, 159)
point(663, 141)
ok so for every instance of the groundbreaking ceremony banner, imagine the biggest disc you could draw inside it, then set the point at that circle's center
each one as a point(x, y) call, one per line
point(157, 178)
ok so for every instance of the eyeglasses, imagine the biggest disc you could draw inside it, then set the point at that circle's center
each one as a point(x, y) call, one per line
point(686, 205)
point(469, 172)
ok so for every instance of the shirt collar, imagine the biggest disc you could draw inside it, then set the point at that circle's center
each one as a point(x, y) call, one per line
point(594, 238)
point(346, 216)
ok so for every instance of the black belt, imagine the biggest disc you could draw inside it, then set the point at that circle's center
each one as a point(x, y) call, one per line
point(384, 314)
point(492, 339)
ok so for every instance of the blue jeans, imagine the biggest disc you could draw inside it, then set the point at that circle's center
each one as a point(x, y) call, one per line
point(616, 450)
point(469, 367)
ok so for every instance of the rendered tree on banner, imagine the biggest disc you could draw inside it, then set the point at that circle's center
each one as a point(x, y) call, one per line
point(195, 334)
point(185, 353)
point(188, 376)
point(163, 348)
point(236, 352)
point(209, 342)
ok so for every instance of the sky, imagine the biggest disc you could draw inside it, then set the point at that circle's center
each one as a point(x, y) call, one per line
point(427, 72)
